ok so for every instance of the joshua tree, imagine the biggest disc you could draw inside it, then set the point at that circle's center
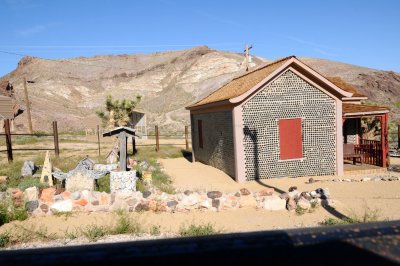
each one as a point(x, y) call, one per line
point(117, 112)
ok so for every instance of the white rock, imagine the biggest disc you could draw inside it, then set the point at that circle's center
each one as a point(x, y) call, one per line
point(190, 200)
point(206, 204)
point(304, 203)
point(365, 179)
point(163, 196)
point(31, 194)
point(274, 203)
point(294, 194)
point(62, 206)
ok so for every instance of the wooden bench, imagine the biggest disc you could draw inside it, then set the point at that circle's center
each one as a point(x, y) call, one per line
point(349, 152)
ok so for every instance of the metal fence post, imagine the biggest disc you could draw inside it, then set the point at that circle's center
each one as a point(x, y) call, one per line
point(187, 137)
point(8, 139)
point(157, 140)
point(55, 134)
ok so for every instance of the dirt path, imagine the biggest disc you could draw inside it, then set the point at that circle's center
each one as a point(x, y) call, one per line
point(352, 197)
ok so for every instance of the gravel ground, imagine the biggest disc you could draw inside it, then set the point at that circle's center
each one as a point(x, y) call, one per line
point(84, 241)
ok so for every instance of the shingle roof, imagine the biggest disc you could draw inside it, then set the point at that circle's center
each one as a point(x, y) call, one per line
point(345, 86)
point(242, 84)
point(349, 108)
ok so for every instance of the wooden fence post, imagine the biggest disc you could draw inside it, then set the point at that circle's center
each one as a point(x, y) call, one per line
point(187, 137)
point(98, 138)
point(134, 146)
point(8, 139)
point(157, 140)
point(55, 133)
point(398, 136)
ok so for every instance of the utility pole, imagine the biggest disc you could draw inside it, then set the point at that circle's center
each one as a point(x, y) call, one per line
point(247, 55)
point(28, 107)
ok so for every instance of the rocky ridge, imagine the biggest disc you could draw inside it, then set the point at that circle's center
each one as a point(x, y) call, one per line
point(70, 90)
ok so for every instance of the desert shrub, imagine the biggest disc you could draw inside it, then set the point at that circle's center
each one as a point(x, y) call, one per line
point(103, 184)
point(155, 230)
point(126, 225)
point(4, 240)
point(369, 216)
point(93, 232)
point(31, 182)
point(198, 230)
point(162, 181)
point(9, 212)
point(13, 171)
point(300, 211)
point(3, 187)
point(71, 234)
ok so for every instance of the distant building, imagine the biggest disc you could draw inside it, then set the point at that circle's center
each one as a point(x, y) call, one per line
point(283, 120)
point(138, 121)
point(9, 107)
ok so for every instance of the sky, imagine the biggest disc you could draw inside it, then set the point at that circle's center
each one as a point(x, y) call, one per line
point(365, 33)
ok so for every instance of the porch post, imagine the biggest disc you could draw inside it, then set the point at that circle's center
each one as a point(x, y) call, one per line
point(384, 138)
point(339, 137)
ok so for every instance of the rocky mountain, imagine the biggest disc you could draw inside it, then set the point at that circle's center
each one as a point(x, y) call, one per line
point(71, 90)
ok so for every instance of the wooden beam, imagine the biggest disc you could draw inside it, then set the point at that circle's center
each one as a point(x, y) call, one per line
point(28, 107)
point(8, 140)
point(122, 151)
point(98, 138)
point(398, 136)
point(157, 139)
point(384, 139)
point(56, 144)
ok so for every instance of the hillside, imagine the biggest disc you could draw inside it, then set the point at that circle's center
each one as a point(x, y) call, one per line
point(70, 90)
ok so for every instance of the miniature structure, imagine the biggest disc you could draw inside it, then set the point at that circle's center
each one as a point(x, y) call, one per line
point(46, 176)
point(82, 177)
point(138, 121)
point(283, 120)
point(122, 180)
point(113, 157)
point(122, 133)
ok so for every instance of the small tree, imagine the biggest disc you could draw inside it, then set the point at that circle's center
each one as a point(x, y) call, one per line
point(118, 112)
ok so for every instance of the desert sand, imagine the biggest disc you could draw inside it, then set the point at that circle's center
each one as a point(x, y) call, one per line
point(351, 198)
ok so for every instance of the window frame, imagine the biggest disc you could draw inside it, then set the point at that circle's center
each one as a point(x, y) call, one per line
point(288, 158)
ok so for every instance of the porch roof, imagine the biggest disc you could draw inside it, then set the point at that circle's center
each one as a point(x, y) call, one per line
point(350, 109)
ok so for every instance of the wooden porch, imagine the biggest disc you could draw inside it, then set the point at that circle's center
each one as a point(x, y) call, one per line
point(374, 152)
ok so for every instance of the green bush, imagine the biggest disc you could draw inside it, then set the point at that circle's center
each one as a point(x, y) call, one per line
point(155, 230)
point(31, 182)
point(103, 184)
point(368, 216)
point(198, 230)
point(126, 225)
point(4, 239)
point(94, 232)
point(9, 212)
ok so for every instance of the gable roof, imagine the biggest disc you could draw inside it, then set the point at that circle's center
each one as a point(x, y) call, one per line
point(244, 84)
point(345, 86)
